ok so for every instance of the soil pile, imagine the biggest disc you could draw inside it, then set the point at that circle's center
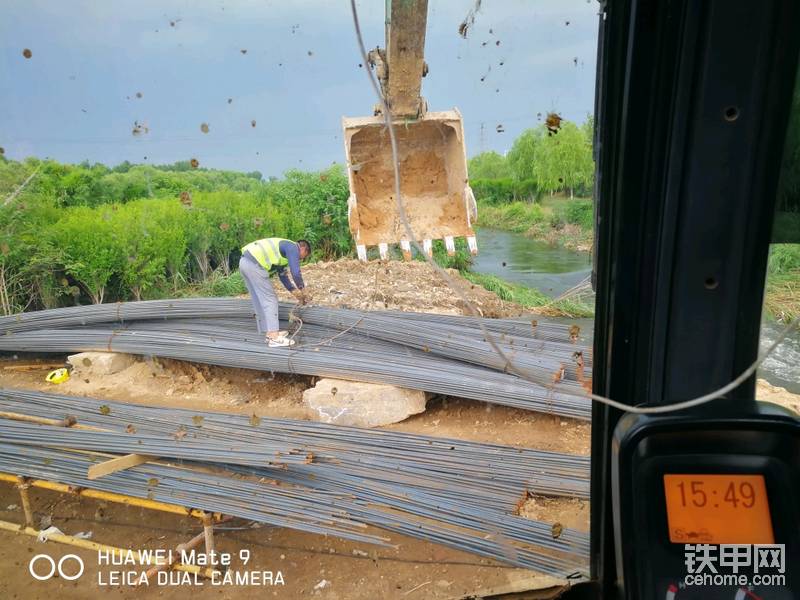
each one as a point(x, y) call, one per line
point(396, 285)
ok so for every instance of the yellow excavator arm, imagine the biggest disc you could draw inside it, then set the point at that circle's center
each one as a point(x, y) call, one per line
point(435, 188)
point(405, 58)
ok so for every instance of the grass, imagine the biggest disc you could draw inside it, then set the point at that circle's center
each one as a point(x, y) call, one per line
point(217, 285)
point(782, 298)
point(783, 258)
point(529, 297)
point(518, 217)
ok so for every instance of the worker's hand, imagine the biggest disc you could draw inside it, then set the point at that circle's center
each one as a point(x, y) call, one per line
point(302, 296)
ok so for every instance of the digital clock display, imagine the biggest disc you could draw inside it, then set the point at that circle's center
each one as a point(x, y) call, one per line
point(718, 509)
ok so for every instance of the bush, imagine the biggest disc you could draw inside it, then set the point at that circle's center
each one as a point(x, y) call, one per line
point(79, 233)
point(503, 191)
point(579, 212)
point(87, 246)
point(517, 216)
point(318, 202)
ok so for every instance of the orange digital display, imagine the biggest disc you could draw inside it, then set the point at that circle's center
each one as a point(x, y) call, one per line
point(718, 509)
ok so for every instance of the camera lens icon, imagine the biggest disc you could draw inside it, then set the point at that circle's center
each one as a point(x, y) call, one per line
point(46, 571)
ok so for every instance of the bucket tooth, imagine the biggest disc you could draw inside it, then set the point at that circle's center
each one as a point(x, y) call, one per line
point(362, 252)
point(383, 249)
point(405, 246)
point(427, 246)
point(450, 244)
point(472, 243)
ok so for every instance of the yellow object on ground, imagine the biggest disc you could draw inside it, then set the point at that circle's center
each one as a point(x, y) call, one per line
point(57, 376)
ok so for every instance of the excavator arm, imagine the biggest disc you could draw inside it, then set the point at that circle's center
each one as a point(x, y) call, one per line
point(436, 196)
point(405, 58)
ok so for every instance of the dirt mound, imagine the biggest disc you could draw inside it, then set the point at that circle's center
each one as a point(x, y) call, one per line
point(396, 285)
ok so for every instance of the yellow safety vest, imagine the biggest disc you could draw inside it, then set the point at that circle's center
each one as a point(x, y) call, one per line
point(267, 252)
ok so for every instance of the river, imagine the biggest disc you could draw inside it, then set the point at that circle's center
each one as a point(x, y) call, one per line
point(519, 259)
point(553, 270)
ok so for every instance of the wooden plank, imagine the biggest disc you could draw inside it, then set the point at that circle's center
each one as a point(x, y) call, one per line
point(118, 464)
point(65, 422)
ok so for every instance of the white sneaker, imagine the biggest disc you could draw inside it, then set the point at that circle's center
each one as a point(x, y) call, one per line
point(279, 342)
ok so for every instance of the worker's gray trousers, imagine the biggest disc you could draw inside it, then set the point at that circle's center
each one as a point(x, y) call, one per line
point(262, 294)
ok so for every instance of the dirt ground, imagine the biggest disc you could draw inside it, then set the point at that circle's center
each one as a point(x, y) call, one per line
point(778, 395)
point(396, 285)
point(310, 565)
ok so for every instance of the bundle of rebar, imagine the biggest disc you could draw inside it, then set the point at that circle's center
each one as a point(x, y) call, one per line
point(542, 368)
point(306, 475)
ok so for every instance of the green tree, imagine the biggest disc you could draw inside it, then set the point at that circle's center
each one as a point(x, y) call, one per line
point(89, 248)
point(563, 161)
point(523, 154)
point(315, 205)
point(489, 165)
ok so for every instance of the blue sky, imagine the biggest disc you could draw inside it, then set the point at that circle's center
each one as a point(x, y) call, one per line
point(75, 98)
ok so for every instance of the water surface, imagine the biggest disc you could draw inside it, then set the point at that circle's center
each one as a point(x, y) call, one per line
point(524, 261)
point(553, 270)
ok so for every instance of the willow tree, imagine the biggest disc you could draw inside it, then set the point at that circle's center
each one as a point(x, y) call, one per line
point(563, 161)
point(523, 154)
point(489, 165)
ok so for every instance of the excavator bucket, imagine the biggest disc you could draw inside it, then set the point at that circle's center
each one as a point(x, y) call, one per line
point(434, 187)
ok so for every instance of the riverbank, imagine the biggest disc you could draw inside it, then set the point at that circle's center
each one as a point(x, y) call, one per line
point(529, 298)
point(569, 224)
point(557, 221)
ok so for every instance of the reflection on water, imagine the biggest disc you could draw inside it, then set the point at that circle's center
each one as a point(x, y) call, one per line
point(519, 259)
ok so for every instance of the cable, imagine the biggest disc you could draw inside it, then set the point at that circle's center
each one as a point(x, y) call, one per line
point(473, 311)
point(667, 408)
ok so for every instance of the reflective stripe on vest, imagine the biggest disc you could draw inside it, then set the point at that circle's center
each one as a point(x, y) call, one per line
point(267, 252)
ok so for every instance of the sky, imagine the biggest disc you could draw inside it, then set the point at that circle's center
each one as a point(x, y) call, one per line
point(99, 68)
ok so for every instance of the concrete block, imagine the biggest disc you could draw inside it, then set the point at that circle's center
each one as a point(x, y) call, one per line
point(361, 404)
point(100, 363)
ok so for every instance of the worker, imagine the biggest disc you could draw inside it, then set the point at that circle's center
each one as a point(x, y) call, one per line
point(262, 259)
